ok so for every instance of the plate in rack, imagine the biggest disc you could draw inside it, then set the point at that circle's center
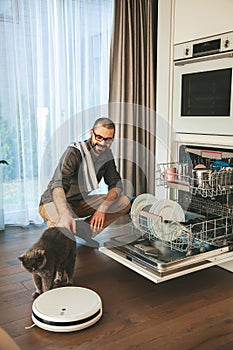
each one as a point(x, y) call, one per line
point(165, 210)
point(144, 200)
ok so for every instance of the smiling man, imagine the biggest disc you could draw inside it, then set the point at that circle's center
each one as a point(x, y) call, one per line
point(79, 171)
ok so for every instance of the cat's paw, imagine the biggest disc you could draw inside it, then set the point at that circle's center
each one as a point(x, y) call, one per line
point(35, 295)
point(57, 281)
point(58, 278)
point(69, 283)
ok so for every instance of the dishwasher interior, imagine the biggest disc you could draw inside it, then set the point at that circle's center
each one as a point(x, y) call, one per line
point(191, 231)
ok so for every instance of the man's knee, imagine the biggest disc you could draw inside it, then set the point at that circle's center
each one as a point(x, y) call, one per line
point(124, 204)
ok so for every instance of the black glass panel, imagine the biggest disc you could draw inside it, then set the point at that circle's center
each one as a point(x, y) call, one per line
point(208, 46)
point(206, 93)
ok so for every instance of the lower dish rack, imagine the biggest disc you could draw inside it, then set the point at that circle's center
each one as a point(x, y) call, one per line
point(187, 237)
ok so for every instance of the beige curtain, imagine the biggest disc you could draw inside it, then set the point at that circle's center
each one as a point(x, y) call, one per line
point(132, 92)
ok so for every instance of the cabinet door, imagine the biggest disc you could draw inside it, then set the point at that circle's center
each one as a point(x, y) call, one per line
point(196, 19)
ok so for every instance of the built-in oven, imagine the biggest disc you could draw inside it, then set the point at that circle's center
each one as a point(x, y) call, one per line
point(192, 227)
point(203, 85)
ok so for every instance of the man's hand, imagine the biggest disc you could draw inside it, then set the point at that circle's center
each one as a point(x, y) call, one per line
point(67, 222)
point(97, 221)
point(98, 218)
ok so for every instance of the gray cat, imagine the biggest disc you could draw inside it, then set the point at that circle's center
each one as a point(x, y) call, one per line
point(49, 258)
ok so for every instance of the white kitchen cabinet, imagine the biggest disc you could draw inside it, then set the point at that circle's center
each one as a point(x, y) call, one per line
point(194, 19)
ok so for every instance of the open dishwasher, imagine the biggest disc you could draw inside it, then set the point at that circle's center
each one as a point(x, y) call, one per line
point(194, 230)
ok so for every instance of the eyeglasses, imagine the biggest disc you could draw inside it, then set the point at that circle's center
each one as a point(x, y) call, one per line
point(100, 138)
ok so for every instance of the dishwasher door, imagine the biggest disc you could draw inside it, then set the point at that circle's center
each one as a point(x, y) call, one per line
point(161, 263)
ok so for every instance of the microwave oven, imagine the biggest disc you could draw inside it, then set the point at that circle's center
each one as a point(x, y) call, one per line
point(203, 86)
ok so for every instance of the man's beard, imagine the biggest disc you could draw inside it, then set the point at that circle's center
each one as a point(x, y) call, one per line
point(98, 148)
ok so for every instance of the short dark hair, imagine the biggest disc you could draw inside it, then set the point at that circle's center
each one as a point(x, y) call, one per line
point(105, 122)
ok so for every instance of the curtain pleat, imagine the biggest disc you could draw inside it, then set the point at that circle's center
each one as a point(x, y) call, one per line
point(132, 91)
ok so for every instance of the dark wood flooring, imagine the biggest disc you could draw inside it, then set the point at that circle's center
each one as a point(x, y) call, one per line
point(190, 312)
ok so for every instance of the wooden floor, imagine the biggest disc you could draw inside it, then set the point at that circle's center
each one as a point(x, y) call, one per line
point(190, 312)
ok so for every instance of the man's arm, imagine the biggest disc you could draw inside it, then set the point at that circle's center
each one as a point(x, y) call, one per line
point(66, 219)
point(112, 195)
point(97, 220)
point(60, 184)
point(113, 181)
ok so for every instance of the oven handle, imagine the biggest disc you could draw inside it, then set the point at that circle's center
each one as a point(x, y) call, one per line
point(203, 58)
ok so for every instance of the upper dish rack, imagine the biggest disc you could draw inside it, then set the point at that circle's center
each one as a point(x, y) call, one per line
point(201, 181)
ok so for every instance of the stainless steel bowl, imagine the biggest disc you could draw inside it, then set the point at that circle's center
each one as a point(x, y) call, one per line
point(202, 178)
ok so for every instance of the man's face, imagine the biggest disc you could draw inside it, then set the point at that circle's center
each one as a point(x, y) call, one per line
point(101, 139)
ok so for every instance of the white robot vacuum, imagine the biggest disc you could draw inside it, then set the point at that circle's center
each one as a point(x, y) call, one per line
point(67, 309)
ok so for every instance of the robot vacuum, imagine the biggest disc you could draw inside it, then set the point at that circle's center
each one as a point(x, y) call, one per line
point(67, 309)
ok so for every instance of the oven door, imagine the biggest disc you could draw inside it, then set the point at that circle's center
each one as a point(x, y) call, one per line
point(202, 95)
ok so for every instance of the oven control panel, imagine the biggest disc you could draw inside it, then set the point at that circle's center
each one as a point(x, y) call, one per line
point(206, 46)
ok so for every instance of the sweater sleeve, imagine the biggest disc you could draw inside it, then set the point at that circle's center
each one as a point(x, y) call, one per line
point(67, 168)
point(65, 171)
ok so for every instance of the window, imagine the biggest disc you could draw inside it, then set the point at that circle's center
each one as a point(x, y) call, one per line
point(53, 65)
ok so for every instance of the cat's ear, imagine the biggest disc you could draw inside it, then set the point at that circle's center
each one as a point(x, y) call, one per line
point(21, 257)
point(40, 252)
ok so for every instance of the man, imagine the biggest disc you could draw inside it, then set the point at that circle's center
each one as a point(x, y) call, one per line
point(78, 173)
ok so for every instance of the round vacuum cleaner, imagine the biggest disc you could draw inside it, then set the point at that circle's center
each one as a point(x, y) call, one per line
point(67, 309)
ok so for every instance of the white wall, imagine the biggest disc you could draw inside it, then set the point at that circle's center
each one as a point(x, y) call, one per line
point(196, 19)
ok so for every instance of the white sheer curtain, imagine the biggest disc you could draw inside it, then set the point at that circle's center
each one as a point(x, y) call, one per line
point(54, 68)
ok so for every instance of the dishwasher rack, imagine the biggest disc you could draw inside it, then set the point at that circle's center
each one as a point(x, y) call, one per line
point(209, 199)
point(206, 205)
point(184, 237)
point(214, 183)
